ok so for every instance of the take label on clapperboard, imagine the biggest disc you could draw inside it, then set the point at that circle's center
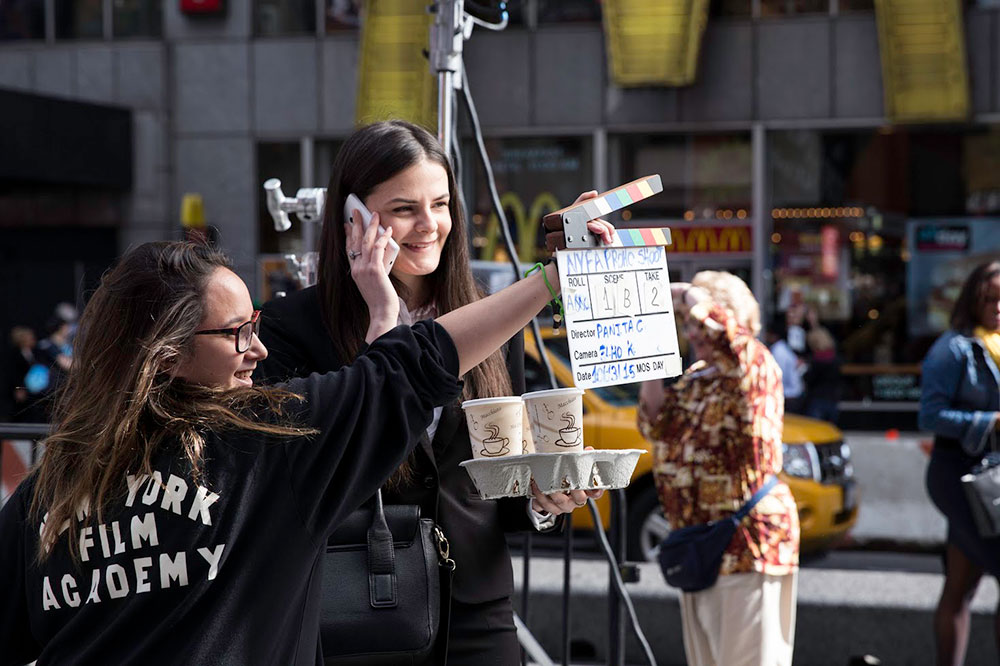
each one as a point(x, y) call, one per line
point(619, 315)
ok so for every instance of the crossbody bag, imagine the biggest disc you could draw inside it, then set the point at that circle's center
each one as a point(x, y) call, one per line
point(690, 557)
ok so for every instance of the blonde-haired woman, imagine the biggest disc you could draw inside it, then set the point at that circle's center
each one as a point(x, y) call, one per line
point(716, 436)
point(179, 512)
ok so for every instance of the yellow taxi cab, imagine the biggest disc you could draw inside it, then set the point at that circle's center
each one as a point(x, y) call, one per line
point(817, 461)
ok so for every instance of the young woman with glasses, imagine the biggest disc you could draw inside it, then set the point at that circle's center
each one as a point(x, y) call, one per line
point(179, 512)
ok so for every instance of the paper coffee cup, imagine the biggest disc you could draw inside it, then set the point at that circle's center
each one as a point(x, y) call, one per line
point(556, 418)
point(495, 426)
point(526, 439)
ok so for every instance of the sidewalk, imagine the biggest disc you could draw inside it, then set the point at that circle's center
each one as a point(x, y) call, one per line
point(894, 504)
point(840, 614)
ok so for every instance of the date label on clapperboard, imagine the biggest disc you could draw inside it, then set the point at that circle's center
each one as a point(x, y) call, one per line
point(619, 315)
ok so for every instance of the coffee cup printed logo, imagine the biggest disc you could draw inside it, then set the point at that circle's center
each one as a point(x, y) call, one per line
point(570, 435)
point(495, 426)
point(494, 445)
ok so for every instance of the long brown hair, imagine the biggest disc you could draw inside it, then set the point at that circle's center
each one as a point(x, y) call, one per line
point(965, 313)
point(121, 404)
point(371, 156)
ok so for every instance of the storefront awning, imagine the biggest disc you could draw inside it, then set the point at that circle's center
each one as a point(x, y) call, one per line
point(49, 141)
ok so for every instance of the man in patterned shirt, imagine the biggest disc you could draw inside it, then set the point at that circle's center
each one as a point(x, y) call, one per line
point(716, 436)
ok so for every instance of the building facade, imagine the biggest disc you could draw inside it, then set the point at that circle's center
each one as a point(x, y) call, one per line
point(778, 163)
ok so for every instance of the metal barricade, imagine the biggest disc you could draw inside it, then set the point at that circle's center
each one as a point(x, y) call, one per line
point(617, 616)
point(19, 432)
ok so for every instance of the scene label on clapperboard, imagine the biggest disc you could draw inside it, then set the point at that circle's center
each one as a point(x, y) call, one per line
point(619, 313)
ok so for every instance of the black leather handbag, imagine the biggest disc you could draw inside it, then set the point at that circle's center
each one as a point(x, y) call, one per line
point(386, 588)
point(982, 489)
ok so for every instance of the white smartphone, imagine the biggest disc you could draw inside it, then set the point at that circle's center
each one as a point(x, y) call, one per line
point(353, 204)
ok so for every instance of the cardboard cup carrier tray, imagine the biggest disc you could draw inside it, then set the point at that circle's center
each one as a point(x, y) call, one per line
point(511, 476)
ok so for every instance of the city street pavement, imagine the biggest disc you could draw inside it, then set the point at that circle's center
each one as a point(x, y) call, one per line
point(876, 595)
point(841, 614)
point(894, 505)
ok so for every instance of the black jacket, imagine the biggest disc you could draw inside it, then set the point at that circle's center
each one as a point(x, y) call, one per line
point(297, 341)
point(224, 570)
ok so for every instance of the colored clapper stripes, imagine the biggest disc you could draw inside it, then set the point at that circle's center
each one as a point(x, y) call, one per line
point(642, 237)
point(619, 197)
point(610, 201)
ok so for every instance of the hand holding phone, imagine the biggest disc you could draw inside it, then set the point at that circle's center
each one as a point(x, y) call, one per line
point(354, 205)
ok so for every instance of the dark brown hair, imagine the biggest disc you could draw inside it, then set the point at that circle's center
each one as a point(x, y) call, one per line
point(965, 313)
point(121, 403)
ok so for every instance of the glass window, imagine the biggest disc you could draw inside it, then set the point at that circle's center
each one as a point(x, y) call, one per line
point(275, 18)
point(770, 8)
point(79, 19)
point(534, 12)
point(534, 177)
point(326, 153)
point(730, 9)
point(22, 19)
point(705, 176)
point(568, 11)
point(281, 161)
point(856, 6)
point(138, 18)
point(342, 15)
point(876, 230)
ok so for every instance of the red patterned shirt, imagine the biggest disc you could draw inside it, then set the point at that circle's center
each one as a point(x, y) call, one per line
point(716, 441)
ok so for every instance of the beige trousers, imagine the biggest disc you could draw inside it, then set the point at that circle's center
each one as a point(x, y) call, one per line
point(743, 620)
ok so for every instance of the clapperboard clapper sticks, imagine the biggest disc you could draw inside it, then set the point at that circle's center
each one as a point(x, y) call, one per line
point(573, 219)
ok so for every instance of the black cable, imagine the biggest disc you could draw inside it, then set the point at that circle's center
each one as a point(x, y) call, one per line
point(512, 253)
point(619, 583)
point(508, 241)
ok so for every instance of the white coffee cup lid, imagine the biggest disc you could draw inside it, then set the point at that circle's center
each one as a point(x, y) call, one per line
point(553, 392)
point(502, 400)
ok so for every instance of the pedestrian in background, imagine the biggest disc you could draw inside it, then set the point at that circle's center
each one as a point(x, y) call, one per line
point(716, 435)
point(792, 367)
point(21, 356)
point(822, 375)
point(960, 404)
point(55, 353)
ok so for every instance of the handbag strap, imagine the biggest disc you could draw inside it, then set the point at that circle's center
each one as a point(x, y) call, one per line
point(444, 625)
point(381, 560)
point(757, 496)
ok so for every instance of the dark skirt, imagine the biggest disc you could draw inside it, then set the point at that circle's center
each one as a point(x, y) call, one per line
point(483, 634)
point(944, 486)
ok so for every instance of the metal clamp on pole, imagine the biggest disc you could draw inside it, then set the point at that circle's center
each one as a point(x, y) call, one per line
point(307, 204)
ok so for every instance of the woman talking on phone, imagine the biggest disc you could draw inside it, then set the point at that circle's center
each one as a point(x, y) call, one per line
point(400, 173)
point(179, 512)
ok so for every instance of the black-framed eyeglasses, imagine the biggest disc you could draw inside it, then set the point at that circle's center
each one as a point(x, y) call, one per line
point(243, 333)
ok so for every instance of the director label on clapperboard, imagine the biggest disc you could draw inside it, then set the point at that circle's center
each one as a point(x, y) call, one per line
point(619, 315)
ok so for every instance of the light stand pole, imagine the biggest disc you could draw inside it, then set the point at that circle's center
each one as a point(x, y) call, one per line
point(448, 34)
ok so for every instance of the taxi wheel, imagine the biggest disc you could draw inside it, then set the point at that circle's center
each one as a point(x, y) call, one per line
point(646, 525)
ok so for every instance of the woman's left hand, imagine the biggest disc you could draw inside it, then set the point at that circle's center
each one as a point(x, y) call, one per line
point(562, 502)
point(365, 252)
point(555, 239)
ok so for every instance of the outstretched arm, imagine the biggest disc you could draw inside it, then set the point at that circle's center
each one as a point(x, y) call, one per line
point(478, 329)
